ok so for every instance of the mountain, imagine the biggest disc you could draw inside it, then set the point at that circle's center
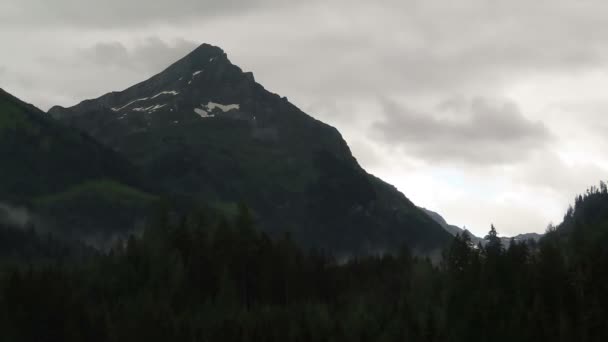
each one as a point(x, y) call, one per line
point(453, 230)
point(525, 237)
point(206, 131)
point(439, 219)
point(59, 178)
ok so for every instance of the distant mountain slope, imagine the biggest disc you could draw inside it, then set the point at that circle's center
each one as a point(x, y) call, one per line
point(206, 131)
point(454, 230)
point(52, 171)
point(525, 237)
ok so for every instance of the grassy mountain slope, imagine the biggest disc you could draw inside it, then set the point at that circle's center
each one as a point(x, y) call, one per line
point(64, 178)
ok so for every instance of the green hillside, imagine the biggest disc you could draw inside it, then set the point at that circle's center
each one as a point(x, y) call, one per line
point(66, 179)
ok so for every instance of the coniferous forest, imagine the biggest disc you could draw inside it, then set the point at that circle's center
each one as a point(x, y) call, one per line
point(205, 277)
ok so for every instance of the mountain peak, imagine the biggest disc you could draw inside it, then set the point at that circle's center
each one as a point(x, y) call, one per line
point(204, 56)
point(203, 84)
point(204, 129)
point(206, 50)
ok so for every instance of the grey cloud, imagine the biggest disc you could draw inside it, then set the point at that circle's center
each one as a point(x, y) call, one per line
point(549, 171)
point(151, 55)
point(478, 131)
point(22, 85)
point(91, 71)
point(365, 153)
point(354, 48)
point(589, 116)
point(115, 13)
point(431, 47)
point(8, 76)
point(108, 54)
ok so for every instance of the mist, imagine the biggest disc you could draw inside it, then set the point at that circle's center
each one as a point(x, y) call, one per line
point(15, 216)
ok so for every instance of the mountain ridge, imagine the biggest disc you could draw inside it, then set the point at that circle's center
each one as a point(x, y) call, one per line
point(54, 175)
point(206, 130)
point(455, 230)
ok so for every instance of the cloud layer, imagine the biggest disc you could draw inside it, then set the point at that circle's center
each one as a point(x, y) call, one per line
point(118, 13)
point(477, 131)
point(150, 55)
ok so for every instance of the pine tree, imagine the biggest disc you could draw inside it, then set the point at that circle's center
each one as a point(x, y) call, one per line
point(494, 244)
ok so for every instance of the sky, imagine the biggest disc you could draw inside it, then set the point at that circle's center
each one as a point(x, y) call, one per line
point(486, 111)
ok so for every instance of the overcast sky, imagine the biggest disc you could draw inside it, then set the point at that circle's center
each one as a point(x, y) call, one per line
point(485, 111)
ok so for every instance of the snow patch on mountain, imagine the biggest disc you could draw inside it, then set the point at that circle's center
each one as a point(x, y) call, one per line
point(150, 109)
point(203, 113)
point(222, 107)
point(130, 103)
point(169, 92)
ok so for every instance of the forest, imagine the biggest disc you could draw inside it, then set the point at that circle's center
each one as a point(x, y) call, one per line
point(204, 277)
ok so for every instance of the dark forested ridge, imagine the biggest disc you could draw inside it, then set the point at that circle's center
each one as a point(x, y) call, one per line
point(41, 157)
point(62, 177)
point(201, 277)
point(204, 130)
